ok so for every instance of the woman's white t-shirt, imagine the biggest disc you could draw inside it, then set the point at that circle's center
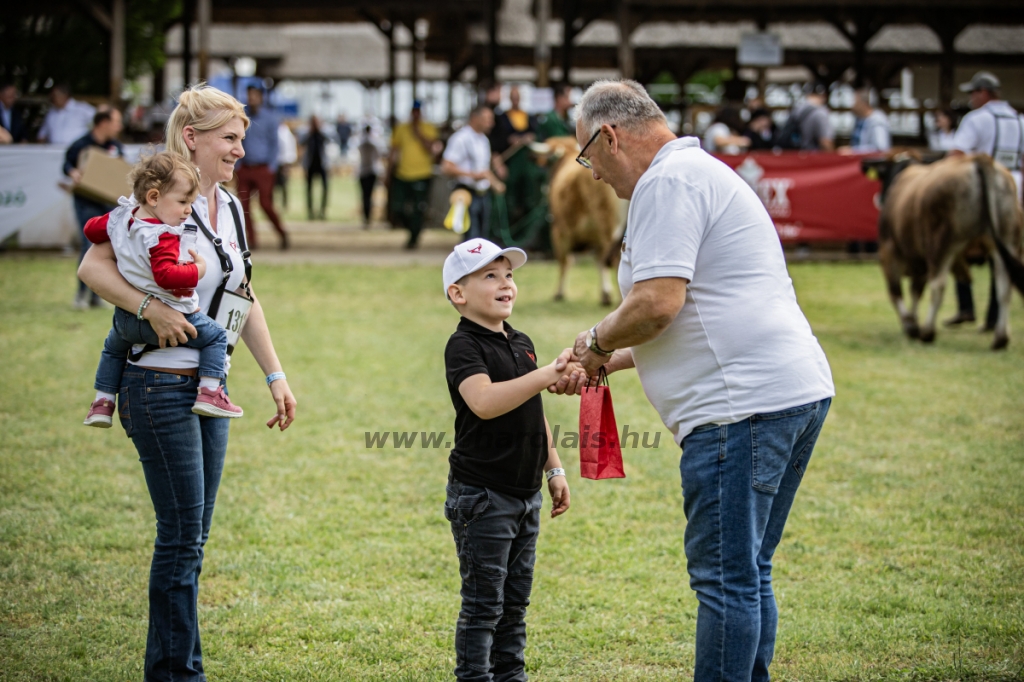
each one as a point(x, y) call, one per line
point(180, 357)
point(741, 345)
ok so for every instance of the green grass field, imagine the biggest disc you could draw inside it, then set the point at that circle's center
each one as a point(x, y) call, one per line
point(903, 558)
point(343, 199)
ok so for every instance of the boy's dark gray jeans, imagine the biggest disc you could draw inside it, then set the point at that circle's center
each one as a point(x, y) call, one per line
point(496, 540)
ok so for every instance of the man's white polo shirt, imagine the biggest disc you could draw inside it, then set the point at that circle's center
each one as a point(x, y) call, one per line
point(995, 129)
point(470, 150)
point(64, 126)
point(741, 345)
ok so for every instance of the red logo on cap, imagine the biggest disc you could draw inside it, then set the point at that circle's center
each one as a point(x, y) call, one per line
point(477, 249)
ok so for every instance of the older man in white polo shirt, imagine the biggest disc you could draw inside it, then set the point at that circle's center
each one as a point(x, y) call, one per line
point(711, 323)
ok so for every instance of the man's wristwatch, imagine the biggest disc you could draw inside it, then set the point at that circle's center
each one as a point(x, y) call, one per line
point(592, 342)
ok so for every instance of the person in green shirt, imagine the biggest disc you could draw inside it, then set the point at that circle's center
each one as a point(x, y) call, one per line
point(411, 165)
point(556, 123)
point(514, 130)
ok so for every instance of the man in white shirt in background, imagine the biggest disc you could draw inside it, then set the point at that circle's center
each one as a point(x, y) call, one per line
point(468, 159)
point(710, 320)
point(287, 154)
point(995, 128)
point(67, 120)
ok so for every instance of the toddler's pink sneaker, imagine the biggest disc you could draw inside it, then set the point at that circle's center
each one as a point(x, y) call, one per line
point(100, 414)
point(215, 403)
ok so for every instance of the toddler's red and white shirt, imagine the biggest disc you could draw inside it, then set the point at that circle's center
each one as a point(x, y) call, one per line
point(148, 254)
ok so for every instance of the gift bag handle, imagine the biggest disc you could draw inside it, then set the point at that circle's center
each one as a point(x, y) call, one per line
point(602, 378)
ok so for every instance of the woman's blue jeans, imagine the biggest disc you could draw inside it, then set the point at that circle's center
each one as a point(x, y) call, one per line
point(739, 481)
point(182, 457)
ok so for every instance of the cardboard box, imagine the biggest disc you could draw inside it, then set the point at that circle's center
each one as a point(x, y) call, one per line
point(104, 177)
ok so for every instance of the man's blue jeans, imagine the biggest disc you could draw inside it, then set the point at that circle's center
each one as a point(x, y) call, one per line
point(496, 540)
point(127, 330)
point(739, 481)
point(480, 216)
point(182, 457)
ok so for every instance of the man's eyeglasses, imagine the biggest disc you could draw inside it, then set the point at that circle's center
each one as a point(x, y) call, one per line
point(579, 157)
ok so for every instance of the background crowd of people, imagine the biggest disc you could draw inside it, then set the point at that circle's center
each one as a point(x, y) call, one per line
point(493, 152)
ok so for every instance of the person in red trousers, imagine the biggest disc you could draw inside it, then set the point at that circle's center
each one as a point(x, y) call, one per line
point(255, 172)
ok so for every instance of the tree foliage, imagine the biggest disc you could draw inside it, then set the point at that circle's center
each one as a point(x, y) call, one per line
point(63, 42)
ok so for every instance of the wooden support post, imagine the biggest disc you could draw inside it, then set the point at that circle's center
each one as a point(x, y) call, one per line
point(449, 96)
point(947, 70)
point(569, 32)
point(117, 38)
point(626, 62)
point(859, 48)
point(542, 53)
point(947, 28)
point(187, 15)
point(448, 102)
point(863, 29)
point(204, 11)
point(491, 63)
point(391, 73)
point(159, 84)
point(415, 54)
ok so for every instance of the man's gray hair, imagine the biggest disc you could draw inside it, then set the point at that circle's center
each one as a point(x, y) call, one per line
point(622, 103)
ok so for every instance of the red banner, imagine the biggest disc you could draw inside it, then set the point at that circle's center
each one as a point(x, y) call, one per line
point(812, 197)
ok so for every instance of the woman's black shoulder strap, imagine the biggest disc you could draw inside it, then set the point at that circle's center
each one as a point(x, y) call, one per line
point(225, 264)
point(240, 232)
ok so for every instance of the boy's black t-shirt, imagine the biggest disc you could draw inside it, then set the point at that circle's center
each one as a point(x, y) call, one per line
point(506, 453)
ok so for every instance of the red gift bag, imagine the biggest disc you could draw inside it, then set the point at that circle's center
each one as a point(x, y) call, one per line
point(600, 454)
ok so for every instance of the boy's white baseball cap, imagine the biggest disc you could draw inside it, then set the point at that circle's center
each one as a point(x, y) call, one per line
point(473, 254)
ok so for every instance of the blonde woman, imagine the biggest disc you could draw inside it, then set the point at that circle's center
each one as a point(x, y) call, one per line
point(182, 454)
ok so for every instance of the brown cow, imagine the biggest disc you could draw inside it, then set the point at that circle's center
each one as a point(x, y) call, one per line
point(931, 215)
point(585, 216)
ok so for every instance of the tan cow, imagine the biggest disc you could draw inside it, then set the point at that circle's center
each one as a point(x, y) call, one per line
point(586, 215)
point(931, 215)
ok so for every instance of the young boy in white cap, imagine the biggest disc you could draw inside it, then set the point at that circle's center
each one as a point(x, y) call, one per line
point(502, 446)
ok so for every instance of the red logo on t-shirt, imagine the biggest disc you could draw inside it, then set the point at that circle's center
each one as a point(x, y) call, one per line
point(477, 249)
point(532, 356)
point(233, 245)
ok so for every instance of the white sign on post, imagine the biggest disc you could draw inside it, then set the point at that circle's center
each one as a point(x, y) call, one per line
point(759, 49)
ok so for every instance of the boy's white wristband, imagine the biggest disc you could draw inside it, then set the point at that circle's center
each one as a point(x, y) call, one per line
point(274, 376)
point(557, 471)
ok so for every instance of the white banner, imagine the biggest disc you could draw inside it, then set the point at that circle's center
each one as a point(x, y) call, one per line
point(31, 202)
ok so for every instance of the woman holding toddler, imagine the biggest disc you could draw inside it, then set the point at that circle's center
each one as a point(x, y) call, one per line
point(182, 452)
